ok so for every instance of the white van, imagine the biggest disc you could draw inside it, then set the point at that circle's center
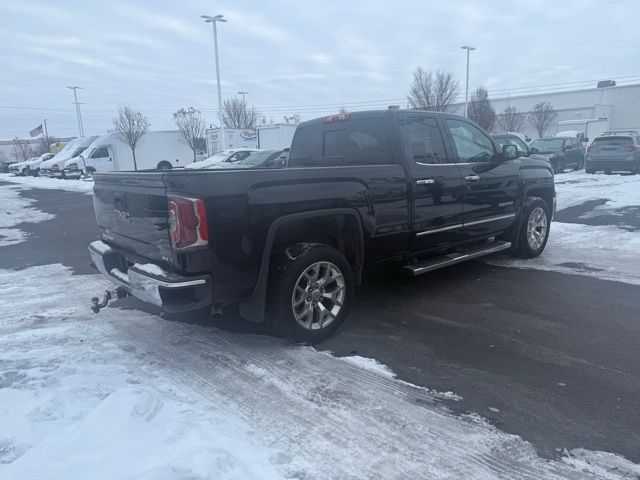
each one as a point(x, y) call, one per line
point(157, 150)
point(55, 166)
point(276, 136)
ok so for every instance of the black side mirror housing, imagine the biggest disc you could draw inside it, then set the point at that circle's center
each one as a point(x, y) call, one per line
point(534, 150)
point(509, 152)
point(568, 147)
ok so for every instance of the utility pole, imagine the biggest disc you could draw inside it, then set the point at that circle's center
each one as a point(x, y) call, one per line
point(243, 94)
point(46, 133)
point(78, 114)
point(213, 21)
point(466, 92)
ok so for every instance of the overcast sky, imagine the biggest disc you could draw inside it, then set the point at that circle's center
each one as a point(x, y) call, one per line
point(306, 57)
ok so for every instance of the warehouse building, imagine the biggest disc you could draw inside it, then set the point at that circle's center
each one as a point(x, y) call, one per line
point(591, 111)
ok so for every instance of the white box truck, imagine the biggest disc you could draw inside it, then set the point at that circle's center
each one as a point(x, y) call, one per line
point(234, 138)
point(157, 150)
point(277, 136)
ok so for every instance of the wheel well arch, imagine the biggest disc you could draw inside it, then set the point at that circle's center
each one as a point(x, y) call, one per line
point(340, 228)
point(164, 163)
point(544, 193)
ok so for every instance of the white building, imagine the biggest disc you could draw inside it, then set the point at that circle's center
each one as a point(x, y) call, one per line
point(591, 111)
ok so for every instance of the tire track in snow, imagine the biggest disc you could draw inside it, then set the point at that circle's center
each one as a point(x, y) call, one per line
point(509, 457)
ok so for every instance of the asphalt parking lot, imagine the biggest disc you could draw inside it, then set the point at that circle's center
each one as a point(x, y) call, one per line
point(548, 356)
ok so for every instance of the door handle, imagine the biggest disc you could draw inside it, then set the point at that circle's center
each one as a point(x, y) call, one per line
point(426, 181)
point(472, 178)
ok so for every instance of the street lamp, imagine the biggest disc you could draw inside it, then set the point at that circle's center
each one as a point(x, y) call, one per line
point(78, 114)
point(213, 21)
point(466, 93)
point(243, 94)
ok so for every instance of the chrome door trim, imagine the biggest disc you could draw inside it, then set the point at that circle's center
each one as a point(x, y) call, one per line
point(466, 224)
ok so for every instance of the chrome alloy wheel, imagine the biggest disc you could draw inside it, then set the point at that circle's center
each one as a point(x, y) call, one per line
point(537, 228)
point(318, 296)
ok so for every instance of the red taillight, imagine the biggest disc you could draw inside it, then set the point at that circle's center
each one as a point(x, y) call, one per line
point(188, 225)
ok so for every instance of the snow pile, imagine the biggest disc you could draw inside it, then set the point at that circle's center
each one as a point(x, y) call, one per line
point(84, 186)
point(607, 252)
point(14, 210)
point(126, 395)
point(578, 187)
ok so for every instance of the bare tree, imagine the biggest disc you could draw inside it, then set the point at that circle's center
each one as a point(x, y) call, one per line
point(510, 120)
point(237, 114)
point(295, 118)
point(22, 149)
point(131, 126)
point(541, 116)
point(436, 91)
point(191, 125)
point(480, 110)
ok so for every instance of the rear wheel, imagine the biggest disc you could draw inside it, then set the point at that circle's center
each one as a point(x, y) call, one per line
point(311, 290)
point(534, 230)
point(164, 166)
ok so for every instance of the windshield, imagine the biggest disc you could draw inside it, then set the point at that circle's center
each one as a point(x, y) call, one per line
point(260, 158)
point(78, 152)
point(613, 140)
point(548, 144)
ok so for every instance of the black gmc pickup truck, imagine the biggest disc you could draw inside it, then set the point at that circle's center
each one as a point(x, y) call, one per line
point(289, 245)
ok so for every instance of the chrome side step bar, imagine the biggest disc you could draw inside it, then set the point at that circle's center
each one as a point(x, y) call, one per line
point(436, 263)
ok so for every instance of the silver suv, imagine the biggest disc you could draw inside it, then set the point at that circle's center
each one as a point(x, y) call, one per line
point(619, 150)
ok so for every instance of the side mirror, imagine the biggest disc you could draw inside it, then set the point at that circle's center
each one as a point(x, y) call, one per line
point(534, 150)
point(510, 152)
point(568, 147)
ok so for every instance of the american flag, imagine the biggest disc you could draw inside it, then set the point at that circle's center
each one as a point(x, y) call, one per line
point(36, 131)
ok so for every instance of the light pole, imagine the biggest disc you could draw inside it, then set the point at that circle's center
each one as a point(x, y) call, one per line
point(243, 94)
point(78, 114)
point(213, 20)
point(466, 92)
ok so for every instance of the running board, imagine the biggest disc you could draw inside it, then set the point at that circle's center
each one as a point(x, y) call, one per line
point(432, 264)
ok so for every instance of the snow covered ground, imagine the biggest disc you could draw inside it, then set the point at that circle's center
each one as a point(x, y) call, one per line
point(124, 394)
point(14, 210)
point(609, 252)
point(85, 186)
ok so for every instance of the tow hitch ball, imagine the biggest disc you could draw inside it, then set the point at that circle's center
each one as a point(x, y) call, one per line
point(97, 305)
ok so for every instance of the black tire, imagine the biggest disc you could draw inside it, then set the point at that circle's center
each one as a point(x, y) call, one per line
point(287, 271)
point(525, 248)
point(607, 172)
point(164, 166)
point(590, 171)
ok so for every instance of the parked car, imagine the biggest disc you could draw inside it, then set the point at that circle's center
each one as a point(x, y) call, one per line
point(614, 151)
point(55, 166)
point(562, 152)
point(20, 168)
point(160, 150)
point(259, 159)
point(230, 155)
point(32, 167)
point(289, 245)
point(573, 133)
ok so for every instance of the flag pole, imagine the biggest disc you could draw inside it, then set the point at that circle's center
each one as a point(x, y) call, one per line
point(46, 134)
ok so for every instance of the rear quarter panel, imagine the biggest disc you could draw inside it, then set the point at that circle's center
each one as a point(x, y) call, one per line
point(243, 204)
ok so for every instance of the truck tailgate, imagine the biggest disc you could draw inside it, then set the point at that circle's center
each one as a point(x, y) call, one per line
point(131, 211)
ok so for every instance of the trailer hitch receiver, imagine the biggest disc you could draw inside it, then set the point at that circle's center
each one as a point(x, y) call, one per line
point(118, 293)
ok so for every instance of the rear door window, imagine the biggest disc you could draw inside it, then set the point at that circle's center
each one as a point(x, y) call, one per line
point(423, 140)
